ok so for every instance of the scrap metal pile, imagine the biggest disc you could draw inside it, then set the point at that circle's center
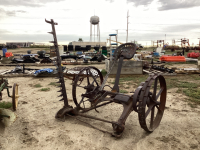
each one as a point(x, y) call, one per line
point(148, 99)
point(161, 68)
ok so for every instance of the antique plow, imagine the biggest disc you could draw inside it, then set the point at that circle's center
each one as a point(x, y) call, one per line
point(88, 91)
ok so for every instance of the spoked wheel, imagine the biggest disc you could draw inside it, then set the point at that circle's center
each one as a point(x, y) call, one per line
point(152, 102)
point(15, 96)
point(86, 82)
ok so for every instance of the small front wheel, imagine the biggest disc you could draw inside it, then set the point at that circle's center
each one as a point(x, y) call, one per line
point(15, 96)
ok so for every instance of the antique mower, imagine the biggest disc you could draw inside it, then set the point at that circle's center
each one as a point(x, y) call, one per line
point(6, 113)
point(88, 91)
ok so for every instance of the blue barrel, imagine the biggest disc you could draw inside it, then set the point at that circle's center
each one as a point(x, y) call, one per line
point(156, 54)
point(4, 51)
point(79, 53)
point(113, 50)
point(112, 34)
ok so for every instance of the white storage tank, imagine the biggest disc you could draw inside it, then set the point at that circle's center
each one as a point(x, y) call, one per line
point(94, 20)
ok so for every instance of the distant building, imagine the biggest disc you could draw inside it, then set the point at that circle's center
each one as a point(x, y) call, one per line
point(83, 44)
point(39, 44)
point(20, 44)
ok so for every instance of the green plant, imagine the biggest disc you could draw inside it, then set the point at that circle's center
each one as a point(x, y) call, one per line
point(37, 85)
point(54, 84)
point(123, 91)
point(133, 79)
point(179, 91)
point(45, 89)
point(192, 105)
point(193, 93)
point(187, 85)
point(5, 105)
point(103, 72)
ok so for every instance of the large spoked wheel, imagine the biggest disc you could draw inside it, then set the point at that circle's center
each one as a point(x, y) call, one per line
point(15, 96)
point(152, 102)
point(86, 82)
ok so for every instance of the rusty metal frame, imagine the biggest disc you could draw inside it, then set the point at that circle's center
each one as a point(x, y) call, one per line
point(98, 97)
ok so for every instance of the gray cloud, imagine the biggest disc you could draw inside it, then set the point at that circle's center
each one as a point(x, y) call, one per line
point(177, 4)
point(29, 3)
point(110, 1)
point(10, 13)
point(181, 28)
point(19, 3)
point(140, 2)
point(21, 11)
point(67, 9)
point(2, 31)
point(168, 4)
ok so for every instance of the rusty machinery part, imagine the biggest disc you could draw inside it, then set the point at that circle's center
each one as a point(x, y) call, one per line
point(161, 68)
point(71, 73)
point(136, 97)
point(118, 129)
point(46, 60)
point(15, 96)
point(3, 85)
point(152, 103)
point(89, 79)
point(58, 63)
point(126, 50)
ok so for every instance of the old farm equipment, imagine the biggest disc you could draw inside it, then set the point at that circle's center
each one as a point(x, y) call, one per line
point(7, 115)
point(14, 96)
point(88, 91)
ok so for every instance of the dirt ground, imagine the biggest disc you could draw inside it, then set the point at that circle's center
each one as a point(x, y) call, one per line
point(37, 128)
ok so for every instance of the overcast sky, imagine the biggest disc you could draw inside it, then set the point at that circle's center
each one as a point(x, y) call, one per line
point(23, 21)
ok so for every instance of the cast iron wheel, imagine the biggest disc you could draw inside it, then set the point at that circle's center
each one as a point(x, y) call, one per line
point(136, 97)
point(152, 102)
point(88, 79)
point(15, 96)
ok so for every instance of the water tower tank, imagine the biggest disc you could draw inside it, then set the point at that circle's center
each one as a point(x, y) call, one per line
point(94, 20)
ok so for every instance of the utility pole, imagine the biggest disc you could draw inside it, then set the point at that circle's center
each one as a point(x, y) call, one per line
point(117, 31)
point(199, 41)
point(127, 27)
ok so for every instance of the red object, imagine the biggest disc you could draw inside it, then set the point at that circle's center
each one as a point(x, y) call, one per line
point(173, 58)
point(8, 54)
point(193, 55)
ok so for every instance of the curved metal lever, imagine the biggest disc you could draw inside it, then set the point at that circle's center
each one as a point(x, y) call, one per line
point(51, 22)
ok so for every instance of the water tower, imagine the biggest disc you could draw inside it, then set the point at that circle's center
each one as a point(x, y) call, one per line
point(94, 20)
